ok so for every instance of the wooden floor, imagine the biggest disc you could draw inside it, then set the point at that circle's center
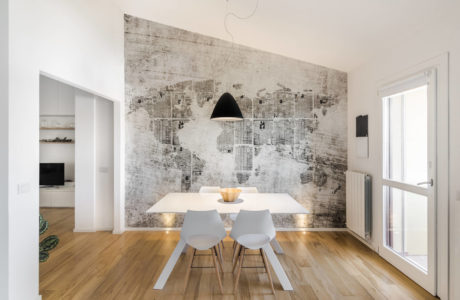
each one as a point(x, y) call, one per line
point(320, 265)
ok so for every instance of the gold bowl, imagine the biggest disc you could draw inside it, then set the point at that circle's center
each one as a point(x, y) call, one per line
point(230, 194)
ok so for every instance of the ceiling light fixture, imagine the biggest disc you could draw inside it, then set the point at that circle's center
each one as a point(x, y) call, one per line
point(226, 108)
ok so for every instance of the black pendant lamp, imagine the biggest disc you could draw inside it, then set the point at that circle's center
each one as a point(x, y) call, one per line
point(227, 109)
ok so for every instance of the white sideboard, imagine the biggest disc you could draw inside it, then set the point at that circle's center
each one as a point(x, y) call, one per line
point(58, 196)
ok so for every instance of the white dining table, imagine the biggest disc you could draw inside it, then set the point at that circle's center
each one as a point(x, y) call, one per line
point(276, 203)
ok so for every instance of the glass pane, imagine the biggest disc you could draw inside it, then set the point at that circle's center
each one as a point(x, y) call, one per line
point(406, 139)
point(406, 223)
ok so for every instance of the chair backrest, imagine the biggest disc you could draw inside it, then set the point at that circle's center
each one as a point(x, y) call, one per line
point(253, 222)
point(248, 189)
point(209, 189)
point(206, 222)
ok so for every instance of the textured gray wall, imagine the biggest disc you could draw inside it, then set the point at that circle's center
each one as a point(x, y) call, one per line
point(293, 137)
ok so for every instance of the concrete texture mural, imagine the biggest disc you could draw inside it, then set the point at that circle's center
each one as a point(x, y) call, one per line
point(292, 139)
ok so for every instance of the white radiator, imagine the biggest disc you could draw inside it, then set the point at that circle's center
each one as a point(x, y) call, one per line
point(359, 203)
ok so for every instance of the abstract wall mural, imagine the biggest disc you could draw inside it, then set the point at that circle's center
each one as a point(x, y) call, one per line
point(293, 138)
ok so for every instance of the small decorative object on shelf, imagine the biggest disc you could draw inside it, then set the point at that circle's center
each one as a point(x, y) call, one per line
point(58, 140)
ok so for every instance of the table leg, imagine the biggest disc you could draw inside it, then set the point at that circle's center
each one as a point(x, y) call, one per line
point(279, 271)
point(276, 246)
point(161, 281)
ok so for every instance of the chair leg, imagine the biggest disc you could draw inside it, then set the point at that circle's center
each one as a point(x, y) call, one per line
point(189, 268)
point(235, 247)
point(214, 250)
point(239, 269)
point(222, 242)
point(235, 256)
point(267, 268)
point(219, 251)
point(262, 255)
point(217, 271)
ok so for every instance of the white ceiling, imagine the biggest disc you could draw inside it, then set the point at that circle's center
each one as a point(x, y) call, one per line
point(341, 34)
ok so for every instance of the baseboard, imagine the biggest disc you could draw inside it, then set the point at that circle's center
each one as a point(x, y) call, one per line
point(229, 228)
point(364, 241)
point(311, 229)
point(84, 230)
point(106, 228)
point(152, 228)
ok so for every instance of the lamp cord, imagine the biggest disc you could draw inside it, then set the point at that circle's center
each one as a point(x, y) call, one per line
point(230, 34)
point(238, 17)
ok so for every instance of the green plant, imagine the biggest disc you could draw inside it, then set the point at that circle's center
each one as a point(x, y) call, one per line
point(43, 225)
point(48, 243)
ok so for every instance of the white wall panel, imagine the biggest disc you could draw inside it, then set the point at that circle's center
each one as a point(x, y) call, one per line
point(85, 161)
point(104, 200)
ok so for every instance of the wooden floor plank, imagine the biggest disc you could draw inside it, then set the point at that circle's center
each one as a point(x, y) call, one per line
point(320, 265)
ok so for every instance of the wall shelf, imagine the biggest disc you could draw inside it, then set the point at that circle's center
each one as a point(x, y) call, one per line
point(57, 115)
point(44, 142)
point(57, 128)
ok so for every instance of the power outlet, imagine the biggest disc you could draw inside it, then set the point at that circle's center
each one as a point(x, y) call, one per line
point(23, 188)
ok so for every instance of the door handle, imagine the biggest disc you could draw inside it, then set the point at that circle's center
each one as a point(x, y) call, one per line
point(426, 182)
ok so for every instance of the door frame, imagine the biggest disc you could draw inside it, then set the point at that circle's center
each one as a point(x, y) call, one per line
point(118, 154)
point(440, 65)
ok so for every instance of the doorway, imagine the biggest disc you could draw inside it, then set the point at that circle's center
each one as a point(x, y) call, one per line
point(77, 152)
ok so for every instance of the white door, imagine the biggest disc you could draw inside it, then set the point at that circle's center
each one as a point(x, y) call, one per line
point(409, 178)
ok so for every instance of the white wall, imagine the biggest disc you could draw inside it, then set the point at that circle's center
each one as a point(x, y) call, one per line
point(4, 118)
point(82, 42)
point(363, 84)
point(56, 98)
point(104, 165)
point(60, 153)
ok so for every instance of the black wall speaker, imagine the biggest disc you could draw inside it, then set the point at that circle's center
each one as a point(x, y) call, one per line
point(362, 126)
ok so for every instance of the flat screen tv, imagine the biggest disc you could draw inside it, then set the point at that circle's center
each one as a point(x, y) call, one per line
point(51, 173)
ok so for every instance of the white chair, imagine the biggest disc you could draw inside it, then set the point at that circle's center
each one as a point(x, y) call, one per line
point(203, 230)
point(212, 189)
point(244, 189)
point(252, 230)
point(209, 189)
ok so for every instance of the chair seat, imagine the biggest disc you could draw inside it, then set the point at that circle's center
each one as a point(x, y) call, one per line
point(202, 242)
point(253, 241)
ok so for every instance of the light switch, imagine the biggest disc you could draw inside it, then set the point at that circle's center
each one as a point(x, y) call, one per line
point(23, 188)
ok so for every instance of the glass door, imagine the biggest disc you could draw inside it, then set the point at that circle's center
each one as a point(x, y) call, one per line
point(409, 180)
